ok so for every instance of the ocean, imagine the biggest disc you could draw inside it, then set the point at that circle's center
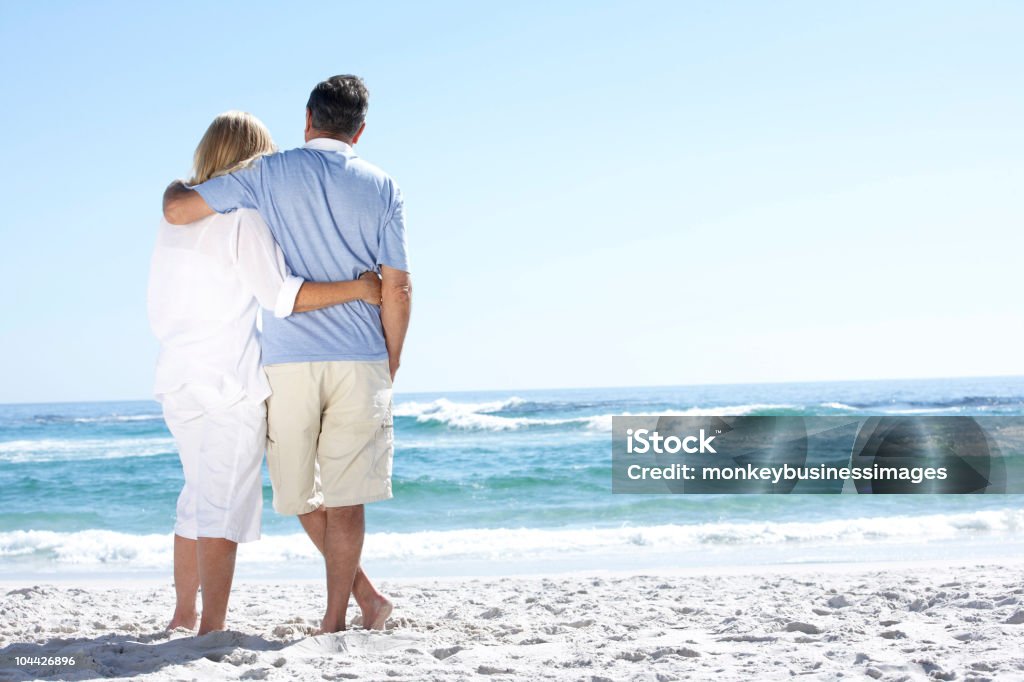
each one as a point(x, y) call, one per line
point(496, 483)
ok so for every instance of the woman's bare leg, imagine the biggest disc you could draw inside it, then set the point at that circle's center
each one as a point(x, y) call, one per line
point(216, 570)
point(186, 583)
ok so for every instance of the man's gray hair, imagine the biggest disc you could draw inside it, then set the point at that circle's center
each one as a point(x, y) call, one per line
point(338, 105)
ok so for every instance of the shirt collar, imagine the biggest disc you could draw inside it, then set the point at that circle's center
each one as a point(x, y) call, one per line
point(328, 144)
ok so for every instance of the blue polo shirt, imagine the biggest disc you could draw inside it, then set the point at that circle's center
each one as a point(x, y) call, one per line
point(335, 216)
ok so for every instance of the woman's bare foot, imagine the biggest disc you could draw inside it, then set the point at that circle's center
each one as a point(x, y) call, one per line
point(185, 620)
point(377, 612)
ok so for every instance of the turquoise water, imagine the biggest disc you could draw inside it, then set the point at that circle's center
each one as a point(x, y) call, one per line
point(481, 477)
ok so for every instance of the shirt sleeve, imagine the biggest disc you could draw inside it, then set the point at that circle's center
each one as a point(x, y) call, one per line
point(236, 190)
point(262, 268)
point(392, 250)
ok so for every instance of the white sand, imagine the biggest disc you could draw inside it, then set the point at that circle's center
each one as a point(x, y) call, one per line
point(907, 623)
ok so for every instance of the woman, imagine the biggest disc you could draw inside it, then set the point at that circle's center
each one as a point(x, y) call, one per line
point(208, 281)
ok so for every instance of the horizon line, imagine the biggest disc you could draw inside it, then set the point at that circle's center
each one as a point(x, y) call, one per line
point(599, 388)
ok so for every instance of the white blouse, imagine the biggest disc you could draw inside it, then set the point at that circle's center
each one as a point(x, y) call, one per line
point(207, 283)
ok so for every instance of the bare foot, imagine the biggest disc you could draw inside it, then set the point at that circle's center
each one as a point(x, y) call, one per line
point(206, 629)
point(329, 625)
point(184, 620)
point(377, 613)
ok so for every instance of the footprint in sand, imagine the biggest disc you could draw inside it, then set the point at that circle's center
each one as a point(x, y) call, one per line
point(1016, 619)
point(893, 634)
point(447, 652)
point(806, 628)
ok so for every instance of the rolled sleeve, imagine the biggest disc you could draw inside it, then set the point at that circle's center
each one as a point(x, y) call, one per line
point(261, 265)
point(285, 304)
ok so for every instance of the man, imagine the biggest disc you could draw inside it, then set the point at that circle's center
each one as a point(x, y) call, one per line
point(330, 440)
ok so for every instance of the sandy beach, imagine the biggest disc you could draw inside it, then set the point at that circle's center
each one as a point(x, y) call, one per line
point(889, 623)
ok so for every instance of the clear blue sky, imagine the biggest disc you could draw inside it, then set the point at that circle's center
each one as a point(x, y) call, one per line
point(598, 194)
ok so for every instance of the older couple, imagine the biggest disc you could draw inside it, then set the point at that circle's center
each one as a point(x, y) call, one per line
point(315, 237)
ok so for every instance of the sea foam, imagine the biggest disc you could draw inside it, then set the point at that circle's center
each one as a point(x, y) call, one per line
point(481, 416)
point(77, 449)
point(154, 551)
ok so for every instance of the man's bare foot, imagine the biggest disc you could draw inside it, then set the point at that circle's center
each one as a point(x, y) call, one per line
point(376, 614)
point(329, 625)
point(184, 620)
point(207, 629)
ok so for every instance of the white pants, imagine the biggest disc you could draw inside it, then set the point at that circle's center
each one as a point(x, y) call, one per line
point(220, 440)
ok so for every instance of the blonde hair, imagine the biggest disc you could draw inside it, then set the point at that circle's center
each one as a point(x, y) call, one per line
point(233, 141)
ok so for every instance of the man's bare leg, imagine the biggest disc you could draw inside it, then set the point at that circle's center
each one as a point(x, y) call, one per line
point(216, 570)
point(375, 606)
point(186, 583)
point(343, 543)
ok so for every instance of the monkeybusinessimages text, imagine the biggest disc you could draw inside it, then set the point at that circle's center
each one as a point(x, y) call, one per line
point(645, 441)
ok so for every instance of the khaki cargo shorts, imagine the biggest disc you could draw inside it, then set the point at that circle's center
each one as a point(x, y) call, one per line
point(330, 437)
